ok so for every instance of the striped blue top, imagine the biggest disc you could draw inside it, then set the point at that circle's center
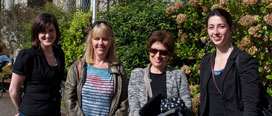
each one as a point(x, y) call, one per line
point(97, 92)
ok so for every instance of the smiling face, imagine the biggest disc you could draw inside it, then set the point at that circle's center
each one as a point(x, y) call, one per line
point(219, 31)
point(101, 45)
point(48, 36)
point(158, 55)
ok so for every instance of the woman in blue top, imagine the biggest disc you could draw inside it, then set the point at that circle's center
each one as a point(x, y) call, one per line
point(97, 84)
point(41, 69)
point(4, 58)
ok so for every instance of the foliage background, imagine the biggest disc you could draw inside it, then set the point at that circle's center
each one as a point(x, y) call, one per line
point(132, 25)
point(252, 20)
point(134, 21)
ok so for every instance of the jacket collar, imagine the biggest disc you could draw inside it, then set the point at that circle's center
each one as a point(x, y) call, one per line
point(114, 67)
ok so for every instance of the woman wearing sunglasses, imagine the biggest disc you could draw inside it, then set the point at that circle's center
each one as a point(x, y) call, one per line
point(97, 84)
point(163, 80)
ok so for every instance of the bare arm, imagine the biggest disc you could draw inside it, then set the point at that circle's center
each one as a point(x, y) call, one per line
point(14, 89)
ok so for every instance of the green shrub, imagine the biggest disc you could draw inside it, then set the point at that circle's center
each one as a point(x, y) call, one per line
point(29, 14)
point(132, 25)
point(14, 25)
point(74, 37)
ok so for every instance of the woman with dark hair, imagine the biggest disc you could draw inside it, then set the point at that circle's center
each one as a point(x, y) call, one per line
point(96, 85)
point(225, 89)
point(165, 81)
point(41, 69)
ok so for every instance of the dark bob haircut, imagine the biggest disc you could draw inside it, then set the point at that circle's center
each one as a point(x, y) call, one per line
point(165, 38)
point(41, 22)
point(220, 12)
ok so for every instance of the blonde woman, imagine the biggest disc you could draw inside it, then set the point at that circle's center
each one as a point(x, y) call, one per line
point(101, 87)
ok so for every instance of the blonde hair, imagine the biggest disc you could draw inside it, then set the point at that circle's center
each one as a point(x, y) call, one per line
point(89, 52)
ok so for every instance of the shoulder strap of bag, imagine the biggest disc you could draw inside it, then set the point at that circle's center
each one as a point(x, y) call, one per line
point(79, 68)
point(147, 84)
point(214, 77)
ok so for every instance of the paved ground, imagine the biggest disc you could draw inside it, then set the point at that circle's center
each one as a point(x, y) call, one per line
point(7, 108)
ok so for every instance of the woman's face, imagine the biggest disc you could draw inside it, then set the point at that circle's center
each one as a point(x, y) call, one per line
point(219, 30)
point(48, 36)
point(101, 45)
point(158, 55)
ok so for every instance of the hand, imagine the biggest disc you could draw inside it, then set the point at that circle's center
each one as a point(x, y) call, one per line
point(9, 64)
point(16, 114)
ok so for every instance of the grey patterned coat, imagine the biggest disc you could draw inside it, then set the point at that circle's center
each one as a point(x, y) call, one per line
point(176, 85)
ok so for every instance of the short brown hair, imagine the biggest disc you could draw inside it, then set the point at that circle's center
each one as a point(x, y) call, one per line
point(165, 38)
point(41, 22)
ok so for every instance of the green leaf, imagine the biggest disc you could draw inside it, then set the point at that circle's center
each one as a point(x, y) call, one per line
point(269, 77)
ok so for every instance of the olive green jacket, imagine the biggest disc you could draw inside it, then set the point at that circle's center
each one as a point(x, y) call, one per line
point(74, 84)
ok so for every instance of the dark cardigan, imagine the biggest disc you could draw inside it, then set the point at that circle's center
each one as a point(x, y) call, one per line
point(239, 99)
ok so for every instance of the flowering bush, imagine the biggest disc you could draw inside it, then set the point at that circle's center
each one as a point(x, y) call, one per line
point(252, 20)
point(253, 32)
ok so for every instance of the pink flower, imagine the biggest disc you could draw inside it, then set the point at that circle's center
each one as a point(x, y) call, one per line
point(194, 2)
point(252, 50)
point(248, 20)
point(216, 6)
point(249, 2)
point(252, 30)
point(222, 2)
point(178, 5)
point(205, 9)
point(170, 10)
point(268, 19)
point(181, 18)
point(186, 69)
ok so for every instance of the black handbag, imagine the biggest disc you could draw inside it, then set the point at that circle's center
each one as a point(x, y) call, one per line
point(157, 105)
point(174, 106)
point(171, 103)
point(152, 107)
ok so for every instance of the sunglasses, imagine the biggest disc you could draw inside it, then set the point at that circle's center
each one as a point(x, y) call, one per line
point(162, 52)
point(99, 22)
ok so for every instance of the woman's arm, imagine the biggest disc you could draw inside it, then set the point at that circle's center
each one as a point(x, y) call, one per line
point(123, 107)
point(14, 89)
point(250, 85)
point(184, 91)
point(70, 93)
point(133, 94)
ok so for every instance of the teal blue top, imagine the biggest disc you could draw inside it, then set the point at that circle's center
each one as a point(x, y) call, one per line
point(217, 72)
